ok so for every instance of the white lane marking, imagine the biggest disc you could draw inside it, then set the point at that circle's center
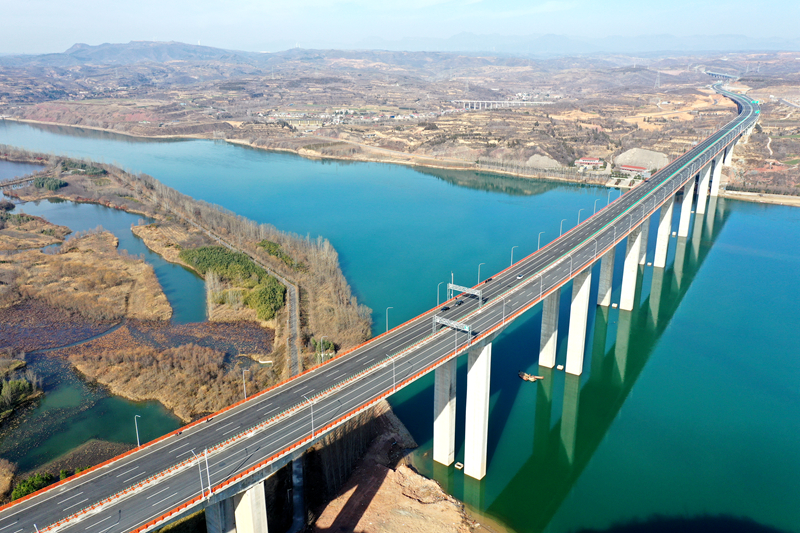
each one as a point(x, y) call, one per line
point(368, 362)
point(106, 529)
point(128, 471)
point(99, 521)
point(75, 504)
point(179, 447)
point(184, 453)
point(17, 531)
point(268, 405)
point(231, 430)
point(226, 425)
point(9, 525)
point(157, 493)
point(62, 501)
point(161, 502)
point(132, 478)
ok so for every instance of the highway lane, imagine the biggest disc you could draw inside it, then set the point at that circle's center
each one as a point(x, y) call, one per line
point(540, 273)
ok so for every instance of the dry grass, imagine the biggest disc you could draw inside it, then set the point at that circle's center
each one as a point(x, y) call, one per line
point(34, 233)
point(87, 276)
point(7, 470)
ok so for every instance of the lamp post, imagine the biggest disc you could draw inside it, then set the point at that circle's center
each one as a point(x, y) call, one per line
point(479, 271)
point(244, 383)
point(437, 293)
point(595, 207)
point(312, 414)
point(387, 317)
point(504, 310)
point(394, 381)
point(608, 201)
point(136, 425)
point(208, 474)
point(322, 347)
point(579, 215)
point(539, 241)
point(512, 254)
point(200, 471)
point(561, 227)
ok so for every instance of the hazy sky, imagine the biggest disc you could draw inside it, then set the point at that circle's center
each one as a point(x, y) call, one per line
point(38, 26)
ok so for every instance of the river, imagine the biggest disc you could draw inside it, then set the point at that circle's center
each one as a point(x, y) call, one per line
point(689, 413)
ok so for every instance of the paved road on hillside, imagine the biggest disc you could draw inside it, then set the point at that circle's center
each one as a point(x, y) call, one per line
point(517, 288)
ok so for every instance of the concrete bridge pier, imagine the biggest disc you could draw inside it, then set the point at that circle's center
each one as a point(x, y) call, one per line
point(712, 213)
point(680, 259)
point(630, 270)
point(716, 176)
point(549, 338)
point(250, 510)
point(578, 316)
point(656, 288)
point(606, 278)
point(702, 191)
point(686, 209)
point(479, 366)
point(220, 517)
point(728, 159)
point(645, 237)
point(663, 232)
point(444, 413)
point(697, 234)
point(624, 321)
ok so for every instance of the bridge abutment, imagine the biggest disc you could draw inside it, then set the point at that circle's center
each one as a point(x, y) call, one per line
point(477, 429)
point(444, 413)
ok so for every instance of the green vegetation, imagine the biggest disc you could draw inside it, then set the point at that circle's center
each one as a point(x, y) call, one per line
point(32, 484)
point(792, 161)
point(324, 346)
point(274, 249)
point(267, 294)
point(83, 168)
point(51, 184)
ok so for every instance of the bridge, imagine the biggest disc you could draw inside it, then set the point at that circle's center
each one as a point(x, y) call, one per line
point(220, 462)
point(17, 182)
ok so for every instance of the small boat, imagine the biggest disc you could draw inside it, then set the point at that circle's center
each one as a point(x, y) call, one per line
point(529, 377)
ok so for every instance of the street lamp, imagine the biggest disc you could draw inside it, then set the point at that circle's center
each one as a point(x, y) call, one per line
point(136, 425)
point(437, 293)
point(561, 227)
point(595, 206)
point(512, 254)
point(312, 414)
point(479, 271)
point(244, 383)
point(539, 241)
point(394, 381)
point(322, 347)
point(387, 317)
point(608, 201)
point(579, 215)
point(200, 470)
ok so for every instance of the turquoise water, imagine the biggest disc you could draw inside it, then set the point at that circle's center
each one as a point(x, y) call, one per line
point(689, 412)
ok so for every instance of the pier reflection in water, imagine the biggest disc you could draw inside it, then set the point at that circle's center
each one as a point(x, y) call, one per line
point(568, 416)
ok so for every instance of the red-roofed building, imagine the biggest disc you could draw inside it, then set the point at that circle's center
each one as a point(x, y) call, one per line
point(630, 169)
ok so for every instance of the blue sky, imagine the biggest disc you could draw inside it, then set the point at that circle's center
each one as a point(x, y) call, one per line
point(39, 26)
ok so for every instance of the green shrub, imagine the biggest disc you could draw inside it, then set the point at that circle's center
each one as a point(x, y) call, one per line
point(274, 249)
point(32, 484)
point(51, 184)
point(266, 298)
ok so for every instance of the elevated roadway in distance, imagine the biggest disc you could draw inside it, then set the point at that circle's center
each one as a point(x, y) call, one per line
point(151, 485)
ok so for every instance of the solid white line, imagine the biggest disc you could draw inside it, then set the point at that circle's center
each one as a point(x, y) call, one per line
point(62, 501)
point(100, 521)
point(157, 493)
point(128, 471)
point(76, 504)
point(161, 502)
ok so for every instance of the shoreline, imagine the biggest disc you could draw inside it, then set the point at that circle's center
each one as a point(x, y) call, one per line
point(409, 160)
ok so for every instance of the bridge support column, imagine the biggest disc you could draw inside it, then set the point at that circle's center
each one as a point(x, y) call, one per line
point(251, 510)
point(630, 270)
point(662, 233)
point(477, 432)
point(444, 413)
point(716, 176)
point(298, 495)
point(578, 315)
point(220, 517)
point(549, 338)
point(728, 160)
point(569, 415)
point(606, 278)
point(686, 209)
point(645, 237)
point(702, 192)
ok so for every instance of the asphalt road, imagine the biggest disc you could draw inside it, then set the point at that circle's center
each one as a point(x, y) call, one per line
point(386, 362)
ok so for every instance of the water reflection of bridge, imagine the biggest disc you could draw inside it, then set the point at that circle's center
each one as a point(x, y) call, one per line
point(561, 450)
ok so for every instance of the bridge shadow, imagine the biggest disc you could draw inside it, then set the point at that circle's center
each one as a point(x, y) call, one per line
point(699, 524)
